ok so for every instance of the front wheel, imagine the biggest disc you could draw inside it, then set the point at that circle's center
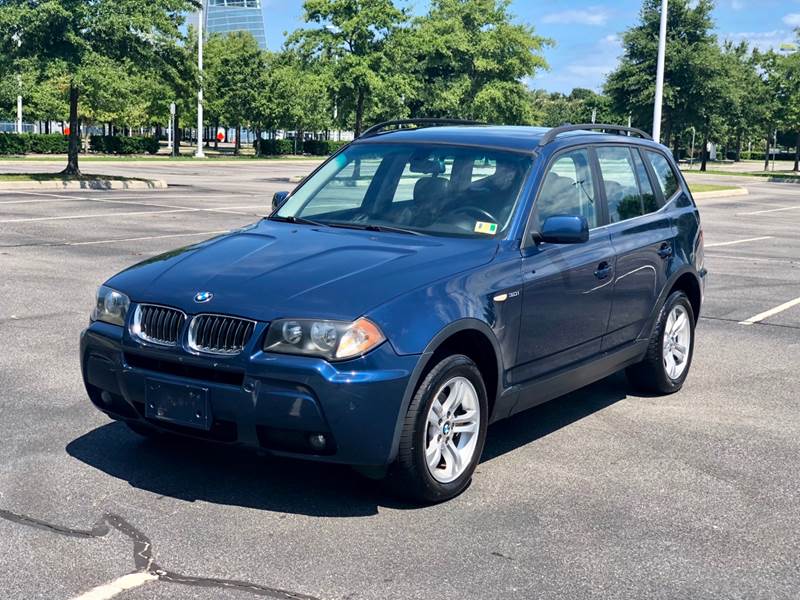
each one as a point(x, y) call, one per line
point(669, 354)
point(443, 434)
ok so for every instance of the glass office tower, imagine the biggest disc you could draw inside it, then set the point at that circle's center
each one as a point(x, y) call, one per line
point(223, 16)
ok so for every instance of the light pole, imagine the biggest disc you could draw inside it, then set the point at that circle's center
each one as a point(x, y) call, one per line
point(694, 133)
point(662, 48)
point(19, 105)
point(199, 153)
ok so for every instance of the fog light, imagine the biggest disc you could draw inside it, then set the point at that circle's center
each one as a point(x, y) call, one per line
point(317, 441)
point(107, 398)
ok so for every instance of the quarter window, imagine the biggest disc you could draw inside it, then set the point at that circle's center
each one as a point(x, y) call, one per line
point(645, 186)
point(623, 195)
point(568, 189)
point(664, 172)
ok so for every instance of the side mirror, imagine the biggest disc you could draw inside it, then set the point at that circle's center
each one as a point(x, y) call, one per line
point(278, 199)
point(564, 229)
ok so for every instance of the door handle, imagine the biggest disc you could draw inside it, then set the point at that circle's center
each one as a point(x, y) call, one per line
point(603, 270)
point(665, 251)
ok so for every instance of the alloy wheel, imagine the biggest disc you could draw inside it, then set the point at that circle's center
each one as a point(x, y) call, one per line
point(676, 342)
point(452, 429)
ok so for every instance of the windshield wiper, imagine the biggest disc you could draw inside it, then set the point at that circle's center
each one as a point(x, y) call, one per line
point(372, 227)
point(297, 221)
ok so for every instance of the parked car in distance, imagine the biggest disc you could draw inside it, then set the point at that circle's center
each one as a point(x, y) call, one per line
point(427, 280)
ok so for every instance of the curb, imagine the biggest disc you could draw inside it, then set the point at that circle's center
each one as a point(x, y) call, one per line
point(739, 191)
point(88, 184)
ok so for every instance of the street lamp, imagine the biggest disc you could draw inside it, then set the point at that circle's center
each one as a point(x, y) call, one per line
point(199, 153)
point(694, 134)
point(662, 48)
point(19, 104)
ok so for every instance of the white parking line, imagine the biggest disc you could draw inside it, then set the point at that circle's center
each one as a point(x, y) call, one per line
point(771, 210)
point(121, 199)
point(149, 237)
point(755, 239)
point(113, 588)
point(771, 312)
point(782, 261)
point(227, 209)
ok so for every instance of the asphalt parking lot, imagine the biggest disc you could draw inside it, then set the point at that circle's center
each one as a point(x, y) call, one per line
point(599, 494)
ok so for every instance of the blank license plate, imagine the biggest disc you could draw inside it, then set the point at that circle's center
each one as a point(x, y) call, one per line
point(185, 405)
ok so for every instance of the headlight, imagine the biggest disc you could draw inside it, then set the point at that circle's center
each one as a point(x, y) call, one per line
point(111, 306)
point(334, 340)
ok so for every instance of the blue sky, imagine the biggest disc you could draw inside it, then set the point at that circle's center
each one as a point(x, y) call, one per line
point(586, 32)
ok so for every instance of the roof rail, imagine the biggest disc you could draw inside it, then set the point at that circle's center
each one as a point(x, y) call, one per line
point(376, 129)
point(556, 131)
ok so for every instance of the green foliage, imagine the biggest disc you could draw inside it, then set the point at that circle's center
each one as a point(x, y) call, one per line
point(470, 60)
point(53, 143)
point(691, 65)
point(284, 147)
point(95, 45)
point(13, 144)
point(109, 144)
point(28, 143)
point(278, 147)
point(354, 41)
point(322, 147)
point(234, 65)
point(556, 109)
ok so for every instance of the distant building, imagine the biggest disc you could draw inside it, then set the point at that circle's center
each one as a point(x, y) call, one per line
point(223, 16)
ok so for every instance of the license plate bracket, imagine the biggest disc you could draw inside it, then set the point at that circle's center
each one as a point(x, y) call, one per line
point(177, 403)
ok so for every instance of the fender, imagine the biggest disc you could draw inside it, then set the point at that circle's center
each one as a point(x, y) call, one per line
point(647, 330)
point(467, 324)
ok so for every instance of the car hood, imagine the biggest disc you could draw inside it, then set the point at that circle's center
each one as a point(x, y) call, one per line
point(272, 270)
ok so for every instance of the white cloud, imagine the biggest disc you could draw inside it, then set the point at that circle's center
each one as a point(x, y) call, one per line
point(593, 16)
point(792, 19)
point(597, 60)
point(763, 40)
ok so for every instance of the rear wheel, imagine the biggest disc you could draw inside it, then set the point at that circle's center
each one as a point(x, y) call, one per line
point(443, 434)
point(669, 354)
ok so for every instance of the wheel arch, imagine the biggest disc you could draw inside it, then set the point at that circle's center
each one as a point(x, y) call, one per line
point(470, 337)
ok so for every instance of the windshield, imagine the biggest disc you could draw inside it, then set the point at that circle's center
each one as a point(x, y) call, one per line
point(414, 188)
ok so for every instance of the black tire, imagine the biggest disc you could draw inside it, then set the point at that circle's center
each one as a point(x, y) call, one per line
point(649, 375)
point(409, 476)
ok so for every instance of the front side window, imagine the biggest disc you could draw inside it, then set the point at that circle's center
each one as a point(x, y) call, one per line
point(568, 189)
point(419, 188)
point(619, 181)
point(664, 172)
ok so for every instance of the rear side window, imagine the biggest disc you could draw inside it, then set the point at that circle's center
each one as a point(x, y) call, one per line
point(664, 172)
point(620, 183)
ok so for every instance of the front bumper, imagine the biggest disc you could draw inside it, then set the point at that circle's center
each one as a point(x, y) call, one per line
point(257, 399)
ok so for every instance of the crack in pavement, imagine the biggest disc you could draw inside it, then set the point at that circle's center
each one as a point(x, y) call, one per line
point(143, 555)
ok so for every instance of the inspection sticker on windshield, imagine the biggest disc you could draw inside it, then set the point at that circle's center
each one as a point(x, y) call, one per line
point(487, 228)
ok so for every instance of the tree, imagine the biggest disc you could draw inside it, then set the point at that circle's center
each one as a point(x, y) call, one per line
point(77, 35)
point(235, 63)
point(690, 43)
point(472, 61)
point(353, 38)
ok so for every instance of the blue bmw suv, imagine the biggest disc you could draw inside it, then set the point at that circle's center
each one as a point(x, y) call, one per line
point(427, 280)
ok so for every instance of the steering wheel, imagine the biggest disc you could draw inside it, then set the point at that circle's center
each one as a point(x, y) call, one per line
point(474, 210)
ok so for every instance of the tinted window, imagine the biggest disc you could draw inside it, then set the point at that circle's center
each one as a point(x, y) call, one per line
point(568, 189)
point(419, 187)
point(620, 183)
point(666, 176)
point(645, 187)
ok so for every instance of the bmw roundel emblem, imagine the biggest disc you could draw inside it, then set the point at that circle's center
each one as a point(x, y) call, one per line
point(203, 296)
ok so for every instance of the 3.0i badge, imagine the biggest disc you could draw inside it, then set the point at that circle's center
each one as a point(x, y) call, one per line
point(203, 297)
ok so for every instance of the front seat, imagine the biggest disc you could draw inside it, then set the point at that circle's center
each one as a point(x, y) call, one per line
point(429, 198)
